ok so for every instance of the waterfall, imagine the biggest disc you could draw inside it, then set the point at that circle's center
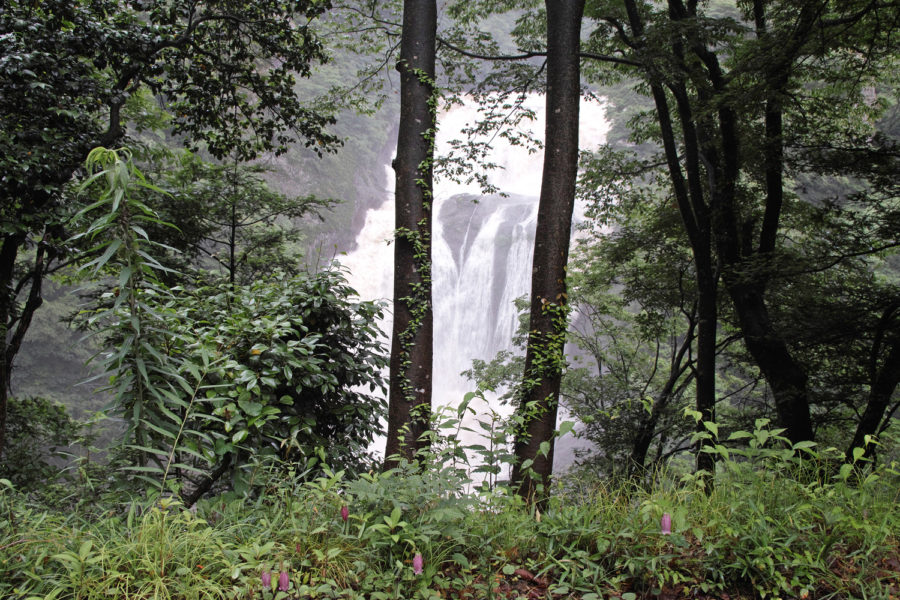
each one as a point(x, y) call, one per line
point(481, 249)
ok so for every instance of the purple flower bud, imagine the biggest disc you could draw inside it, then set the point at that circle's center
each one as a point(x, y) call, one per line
point(418, 563)
point(345, 513)
point(666, 524)
point(284, 582)
point(266, 580)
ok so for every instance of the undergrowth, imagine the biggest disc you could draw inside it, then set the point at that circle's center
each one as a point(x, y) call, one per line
point(780, 523)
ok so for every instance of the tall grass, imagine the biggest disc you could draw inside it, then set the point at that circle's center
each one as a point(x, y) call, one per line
point(775, 526)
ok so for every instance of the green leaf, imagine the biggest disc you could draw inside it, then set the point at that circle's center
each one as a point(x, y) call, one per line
point(250, 408)
point(845, 471)
point(85, 549)
point(163, 432)
point(99, 262)
point(544, 448)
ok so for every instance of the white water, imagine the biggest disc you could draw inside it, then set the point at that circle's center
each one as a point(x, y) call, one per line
point(481, 252)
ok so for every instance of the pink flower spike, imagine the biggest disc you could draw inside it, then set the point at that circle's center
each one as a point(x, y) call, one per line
point(345, 513)
point(418, 563)
point(284, 582)
point(266, 580)
point(666, 524)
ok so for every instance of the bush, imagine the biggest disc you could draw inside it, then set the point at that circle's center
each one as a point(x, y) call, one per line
point(36, 429)
point(279, 370)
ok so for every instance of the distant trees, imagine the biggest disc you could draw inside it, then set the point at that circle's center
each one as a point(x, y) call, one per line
point(230, 220)
point(68, 75)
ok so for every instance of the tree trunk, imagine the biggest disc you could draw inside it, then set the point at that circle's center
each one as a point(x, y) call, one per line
point(748, 270)
point(882, 383)
point(695, 212)
point(647, 428)
point(412, 337)
point(787, 379)
point(544, 357)
point(707, 326)
point(207, 482)
point(8, 251)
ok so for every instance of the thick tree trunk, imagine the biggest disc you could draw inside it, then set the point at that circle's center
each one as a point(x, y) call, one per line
point(8, 251)
point(707, 327)
point(787, 379)
point(412, 337)
point(544, 358)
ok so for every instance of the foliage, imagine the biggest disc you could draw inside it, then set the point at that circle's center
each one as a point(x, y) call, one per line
point(810, 536)
point(284, 367)
point(38, 431)
point(209, 378)
point(72, 71)
point(70, 67)
point(765, 111)
point(230, 220)
point(122, 249)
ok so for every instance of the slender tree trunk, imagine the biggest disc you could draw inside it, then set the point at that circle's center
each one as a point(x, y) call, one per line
point(232, 242)
point(696, 214)
point(883, 381)
point(707, 327)
point(544, 357)
point(412, 338)
point(207, 482)
point(647, 429)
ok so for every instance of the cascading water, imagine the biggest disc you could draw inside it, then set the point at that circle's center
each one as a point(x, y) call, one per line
point(481, 250)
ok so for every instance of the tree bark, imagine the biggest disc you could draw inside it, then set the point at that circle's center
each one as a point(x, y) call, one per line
point(883, 381)
point(412, 337)
point(696, 214)
point(747, 270)
point(544, 357)
point(787, 379)
point(206, 483)
point(8, 251)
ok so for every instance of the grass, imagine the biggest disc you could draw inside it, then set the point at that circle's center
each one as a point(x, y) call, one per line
point(772, 528)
